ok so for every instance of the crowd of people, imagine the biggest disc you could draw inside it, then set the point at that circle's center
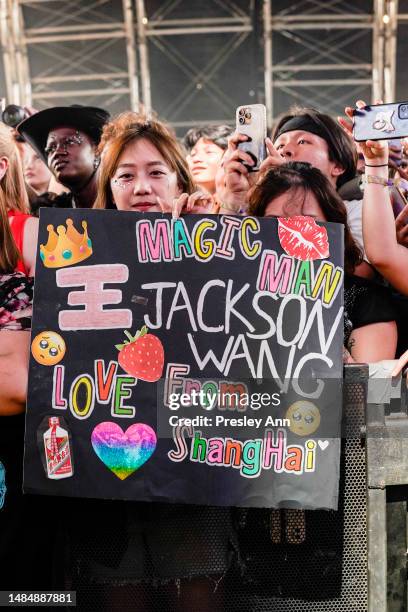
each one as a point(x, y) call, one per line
point(80, 157)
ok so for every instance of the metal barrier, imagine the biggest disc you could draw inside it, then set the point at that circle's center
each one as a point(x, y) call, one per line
point(387, 492)
point(294, 561)
point(371, 521)
point(314, 560)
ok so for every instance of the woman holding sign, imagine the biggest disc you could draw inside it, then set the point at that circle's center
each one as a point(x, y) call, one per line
point(163, 555)
point(143, 169)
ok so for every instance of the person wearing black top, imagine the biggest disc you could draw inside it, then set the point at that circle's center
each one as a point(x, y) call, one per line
point(66, 139)
point(296, 188)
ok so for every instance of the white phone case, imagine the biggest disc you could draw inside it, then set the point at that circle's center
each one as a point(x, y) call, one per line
point(251, 120)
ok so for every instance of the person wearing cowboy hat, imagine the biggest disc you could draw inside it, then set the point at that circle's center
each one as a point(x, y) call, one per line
point(66, 138)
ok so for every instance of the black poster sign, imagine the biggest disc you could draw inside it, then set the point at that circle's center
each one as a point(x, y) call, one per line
point(196, 360)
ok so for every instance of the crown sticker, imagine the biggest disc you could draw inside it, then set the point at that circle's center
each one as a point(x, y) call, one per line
point(66, 247)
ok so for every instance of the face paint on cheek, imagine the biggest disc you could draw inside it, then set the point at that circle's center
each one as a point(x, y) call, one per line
point(118, 184)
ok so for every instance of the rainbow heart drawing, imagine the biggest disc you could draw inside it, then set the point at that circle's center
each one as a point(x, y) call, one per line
point(123, 452)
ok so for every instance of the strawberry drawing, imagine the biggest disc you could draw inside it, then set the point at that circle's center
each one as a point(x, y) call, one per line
point(142, 355)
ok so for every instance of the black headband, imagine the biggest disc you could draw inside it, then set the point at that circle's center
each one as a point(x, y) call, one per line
point(303, 123)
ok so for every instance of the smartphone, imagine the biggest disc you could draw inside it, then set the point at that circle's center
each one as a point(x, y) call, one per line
point(251, 120)
point(381, 121)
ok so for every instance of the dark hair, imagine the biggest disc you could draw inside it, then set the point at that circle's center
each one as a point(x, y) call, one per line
point(218, 134)
point(302, 176)
point(129, 127)
point(342, 149)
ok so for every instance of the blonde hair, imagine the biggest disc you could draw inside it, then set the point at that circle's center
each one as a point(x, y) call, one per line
point(13, 196)
point(124, 129)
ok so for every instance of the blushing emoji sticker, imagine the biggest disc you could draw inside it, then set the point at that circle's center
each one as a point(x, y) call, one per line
point(304, 418)
point(48, 348)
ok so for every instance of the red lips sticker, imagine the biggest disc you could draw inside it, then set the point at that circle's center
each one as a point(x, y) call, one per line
point(302, 238)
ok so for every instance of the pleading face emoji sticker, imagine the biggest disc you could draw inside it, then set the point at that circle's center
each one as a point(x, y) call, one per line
point(48, 348)
point(304, 418)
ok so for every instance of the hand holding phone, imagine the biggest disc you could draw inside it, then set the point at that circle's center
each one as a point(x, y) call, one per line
point(381, 122)
point(374, 153)
point(251, 121)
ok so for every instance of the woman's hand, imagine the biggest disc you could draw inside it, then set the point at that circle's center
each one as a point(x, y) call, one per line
point(400, 364)
point(237, 181)
point(375, 151)
point(198, 203)
point(238, 176)
point(233, 141)
point(384, 252)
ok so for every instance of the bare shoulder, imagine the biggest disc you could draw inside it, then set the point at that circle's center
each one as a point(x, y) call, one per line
point(14, 343)
point(31, 225)
point(30, 244)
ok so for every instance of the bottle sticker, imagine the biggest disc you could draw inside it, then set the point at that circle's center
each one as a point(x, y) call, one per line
point(55, 447)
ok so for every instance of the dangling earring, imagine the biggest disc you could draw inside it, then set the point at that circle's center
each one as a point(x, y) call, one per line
point(96, 163)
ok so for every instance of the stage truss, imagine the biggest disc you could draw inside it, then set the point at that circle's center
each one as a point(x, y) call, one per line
point(122, 53)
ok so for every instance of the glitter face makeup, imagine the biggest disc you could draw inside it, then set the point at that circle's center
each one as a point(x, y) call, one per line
point(65, 144)
point(121, 185)
point(143, 179)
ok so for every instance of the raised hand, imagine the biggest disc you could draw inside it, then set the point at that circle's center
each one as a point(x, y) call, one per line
point(237, 178)
point(274, 157)
point(375, 151)
point(195, 203)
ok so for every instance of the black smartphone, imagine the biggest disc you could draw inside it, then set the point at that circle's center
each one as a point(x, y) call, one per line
point(381, 121)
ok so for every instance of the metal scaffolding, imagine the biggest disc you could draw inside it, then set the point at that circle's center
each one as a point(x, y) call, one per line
point(69, 47)
point(119, 53)
point(16, 68)
point(324, 63)
point(164, 32)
